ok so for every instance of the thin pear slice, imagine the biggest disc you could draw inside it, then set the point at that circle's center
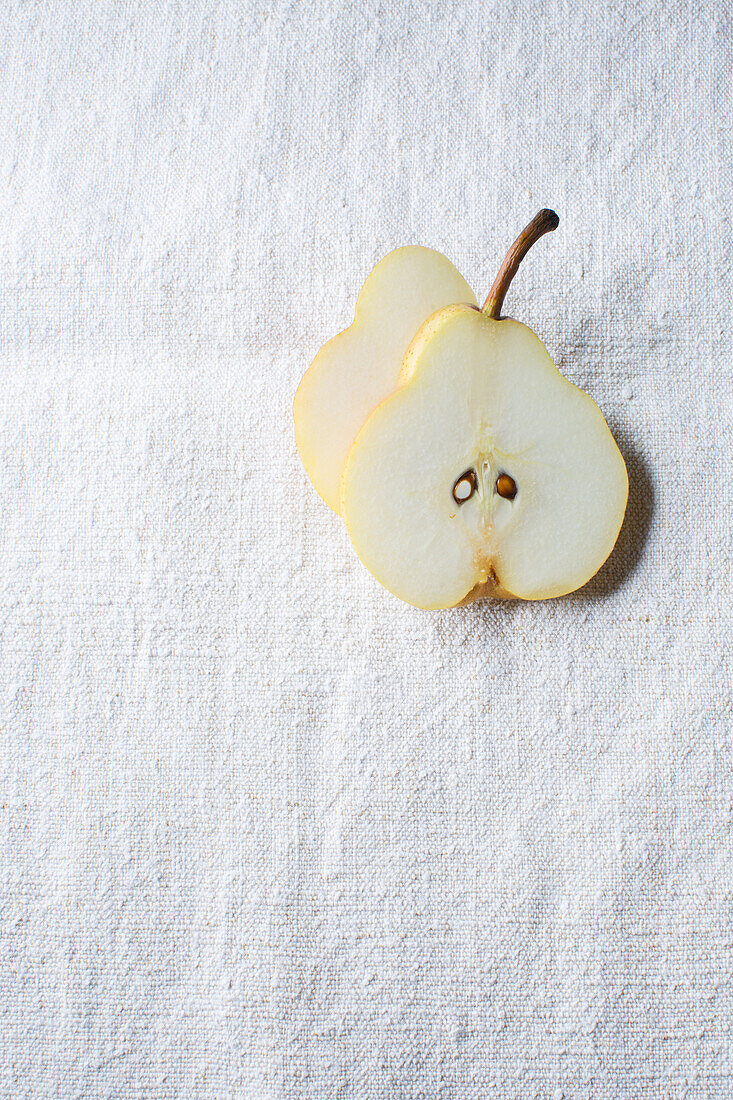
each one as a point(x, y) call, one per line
point(358, 368)
point(481, 397)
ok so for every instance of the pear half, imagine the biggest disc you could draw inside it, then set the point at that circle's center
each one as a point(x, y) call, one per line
point(486, 473)
point(357, 369)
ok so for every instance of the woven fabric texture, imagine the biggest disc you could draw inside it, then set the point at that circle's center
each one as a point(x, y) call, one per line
point(267, 832)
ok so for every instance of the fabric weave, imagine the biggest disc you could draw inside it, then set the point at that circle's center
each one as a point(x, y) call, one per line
point(267, 832)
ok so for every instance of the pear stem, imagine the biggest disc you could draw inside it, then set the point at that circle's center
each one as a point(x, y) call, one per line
point(541, 223)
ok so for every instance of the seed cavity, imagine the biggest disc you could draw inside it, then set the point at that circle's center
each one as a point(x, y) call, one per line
point(465, 487)
point(506, 486)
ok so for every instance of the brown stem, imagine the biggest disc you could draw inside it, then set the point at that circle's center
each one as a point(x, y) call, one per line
point(541, 223)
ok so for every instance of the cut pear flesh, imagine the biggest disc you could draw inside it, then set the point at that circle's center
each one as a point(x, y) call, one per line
point(481, 407)
point(358, 368)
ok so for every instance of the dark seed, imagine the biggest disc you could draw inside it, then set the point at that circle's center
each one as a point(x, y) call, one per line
point(506, 486)
point(465, 487)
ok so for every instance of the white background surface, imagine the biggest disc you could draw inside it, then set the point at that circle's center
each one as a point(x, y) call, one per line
point(267, 832)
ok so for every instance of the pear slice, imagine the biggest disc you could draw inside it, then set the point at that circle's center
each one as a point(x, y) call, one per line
point(357, 369)
point(486, 473)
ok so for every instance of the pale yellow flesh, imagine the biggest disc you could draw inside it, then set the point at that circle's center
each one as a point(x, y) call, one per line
point(356, 370)
point(483, 395)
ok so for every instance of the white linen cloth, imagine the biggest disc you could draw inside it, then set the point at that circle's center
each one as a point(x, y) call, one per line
point(266, 831)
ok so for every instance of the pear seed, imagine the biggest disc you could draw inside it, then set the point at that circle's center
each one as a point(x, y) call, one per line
point(506, 486)
point(465, 487)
